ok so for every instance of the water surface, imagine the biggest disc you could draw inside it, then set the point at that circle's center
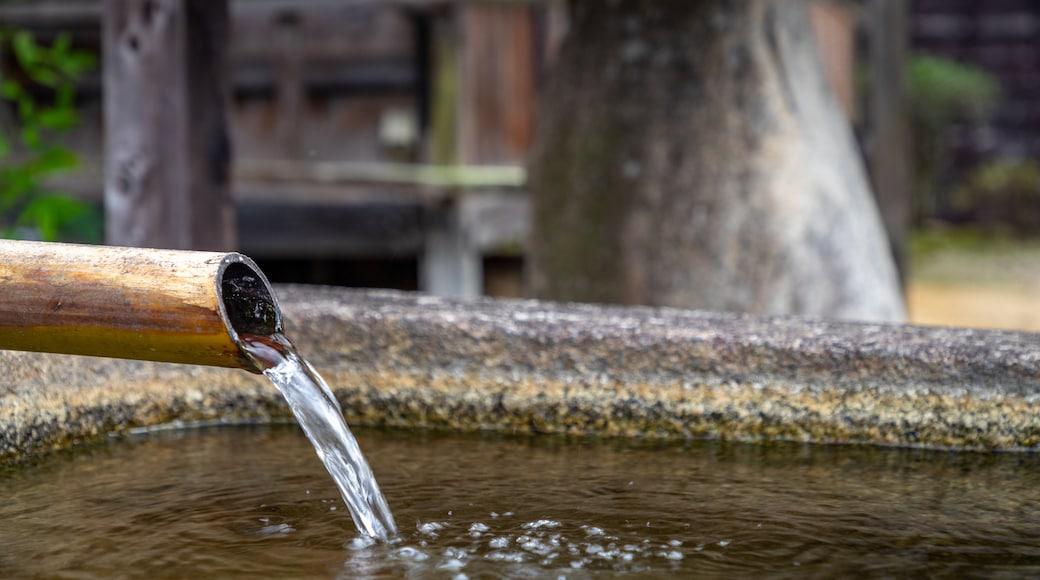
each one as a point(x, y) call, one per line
point(252, 501)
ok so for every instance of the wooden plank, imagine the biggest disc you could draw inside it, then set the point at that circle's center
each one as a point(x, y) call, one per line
point(289, 229)
point(496, 83)
point(168, 151)
point(328, 31)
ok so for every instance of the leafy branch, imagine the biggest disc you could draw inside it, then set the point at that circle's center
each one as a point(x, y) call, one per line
point(28, 154)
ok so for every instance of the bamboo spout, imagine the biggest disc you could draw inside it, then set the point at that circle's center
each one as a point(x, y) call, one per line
point(159, 305)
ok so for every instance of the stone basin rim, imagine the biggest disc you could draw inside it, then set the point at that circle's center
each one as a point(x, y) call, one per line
point(409, 360)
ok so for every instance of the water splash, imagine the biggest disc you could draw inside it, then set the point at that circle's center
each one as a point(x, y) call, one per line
point(321, 417)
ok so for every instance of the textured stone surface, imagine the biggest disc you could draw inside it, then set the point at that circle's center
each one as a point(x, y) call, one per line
point(408, 360)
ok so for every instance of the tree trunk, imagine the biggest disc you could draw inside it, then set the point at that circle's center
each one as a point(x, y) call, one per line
point(888, 123)
point(690, 154)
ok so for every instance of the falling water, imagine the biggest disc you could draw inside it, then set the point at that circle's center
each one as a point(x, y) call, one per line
point(318, 412)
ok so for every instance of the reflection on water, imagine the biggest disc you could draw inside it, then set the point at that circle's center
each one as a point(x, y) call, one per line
point(252, 501)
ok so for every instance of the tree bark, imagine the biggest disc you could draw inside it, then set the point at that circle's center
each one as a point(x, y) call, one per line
point(888, 123)
point(690, 154)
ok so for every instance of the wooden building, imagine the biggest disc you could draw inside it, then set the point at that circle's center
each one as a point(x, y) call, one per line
point(374, 142)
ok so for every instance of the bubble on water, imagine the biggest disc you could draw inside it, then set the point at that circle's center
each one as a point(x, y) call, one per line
point(674, 543)
point(592, 530)
point(430, 528)
point(537, 546)
point(724, 543)
point(541, 524)
point(412, 554)
point(361, 542)
point(451, 564)
point(494, 514)
point(458, 553)
point(499, 542)
point(671, 555)
point(478, 528)
point(277, 529)
point(505, 556)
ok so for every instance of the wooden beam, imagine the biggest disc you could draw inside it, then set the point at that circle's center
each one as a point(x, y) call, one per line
point(371, 229)
point(345, 172)
point(168, 152)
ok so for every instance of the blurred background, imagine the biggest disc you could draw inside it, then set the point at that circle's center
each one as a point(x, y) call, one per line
point(387, 143)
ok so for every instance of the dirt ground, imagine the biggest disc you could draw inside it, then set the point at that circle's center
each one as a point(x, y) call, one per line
point(972, 281)
point(974, 306)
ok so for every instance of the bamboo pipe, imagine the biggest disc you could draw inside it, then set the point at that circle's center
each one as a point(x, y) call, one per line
point(159, 305)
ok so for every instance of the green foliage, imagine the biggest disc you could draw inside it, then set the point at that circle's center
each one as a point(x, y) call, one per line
point(28, 154)
point(943, 91)
point(1000, 194)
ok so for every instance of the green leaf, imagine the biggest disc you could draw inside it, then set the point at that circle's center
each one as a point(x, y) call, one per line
point(57, 119)
point(10, 90)
point(49, 213)
point(25, 48)
point(26, 108)
point(60, 45)
point(31, 137)
point(57, 158)
point(79, 62)
point(65, 96)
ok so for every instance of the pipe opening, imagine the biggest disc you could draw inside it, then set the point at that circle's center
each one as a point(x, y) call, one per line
point(247, 299)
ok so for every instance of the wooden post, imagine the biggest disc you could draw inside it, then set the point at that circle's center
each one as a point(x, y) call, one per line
point(291, 95)
point(482, 93)
point(889, 157)
point(442, 138)
point(452, 264)
point(168, 152)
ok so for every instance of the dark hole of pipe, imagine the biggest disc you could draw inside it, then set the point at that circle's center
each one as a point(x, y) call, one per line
point(249, 305)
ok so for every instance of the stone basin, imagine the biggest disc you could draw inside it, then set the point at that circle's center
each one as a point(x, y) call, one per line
point(411, 361)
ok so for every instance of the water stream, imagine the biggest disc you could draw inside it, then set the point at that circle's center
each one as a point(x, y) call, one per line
point(318, 412)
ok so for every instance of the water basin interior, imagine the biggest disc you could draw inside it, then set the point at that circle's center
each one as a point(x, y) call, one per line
point(255, 501)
